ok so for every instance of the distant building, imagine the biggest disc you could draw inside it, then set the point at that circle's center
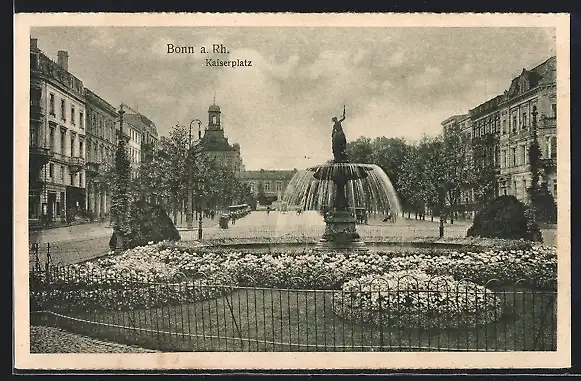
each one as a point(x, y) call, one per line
point(502, 131)
point(141, 131)
point(102, 120)
point(215, 144)
point(272, 182)
point(57, 138)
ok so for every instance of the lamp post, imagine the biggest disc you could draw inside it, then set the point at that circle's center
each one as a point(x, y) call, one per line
point(190, 207)
point(201, 209)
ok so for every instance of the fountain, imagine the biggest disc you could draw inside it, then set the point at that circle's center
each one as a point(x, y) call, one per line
point(344, 193)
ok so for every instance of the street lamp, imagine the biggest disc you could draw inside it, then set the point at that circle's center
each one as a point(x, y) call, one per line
point(190, 207)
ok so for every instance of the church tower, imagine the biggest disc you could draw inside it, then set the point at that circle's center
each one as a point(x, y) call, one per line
point(214, 118)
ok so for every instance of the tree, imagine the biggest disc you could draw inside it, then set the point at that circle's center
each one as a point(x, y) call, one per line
point(457, 168)
point(542, 201)
point(389, 154)
point(360, 151)
point(120, 197)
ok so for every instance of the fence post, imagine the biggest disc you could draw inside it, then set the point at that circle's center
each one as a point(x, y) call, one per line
point(380, 324)
point(36, 258)
point(441, 227)
point(48, 257)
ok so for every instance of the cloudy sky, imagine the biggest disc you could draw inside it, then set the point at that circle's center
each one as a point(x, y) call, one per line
point(395, 82)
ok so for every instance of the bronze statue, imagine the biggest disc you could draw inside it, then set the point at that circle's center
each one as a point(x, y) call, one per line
point(338, 139)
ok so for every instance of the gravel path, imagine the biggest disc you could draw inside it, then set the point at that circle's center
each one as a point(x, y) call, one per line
point(45, 339)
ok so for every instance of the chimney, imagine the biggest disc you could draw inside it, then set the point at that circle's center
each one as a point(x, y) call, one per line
point(63, 59)
point(33, 43)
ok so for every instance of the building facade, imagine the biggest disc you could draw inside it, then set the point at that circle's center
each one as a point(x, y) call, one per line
point(272, 182)
point(215, 144)
point(102, 119)
point(57, 136)
point(532, 88)
point(502, 131)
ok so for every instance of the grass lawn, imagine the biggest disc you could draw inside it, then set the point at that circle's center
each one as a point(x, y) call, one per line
point(301, 320)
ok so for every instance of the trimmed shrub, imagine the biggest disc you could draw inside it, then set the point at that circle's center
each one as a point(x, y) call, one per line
point(504, 217)
point(148, 223)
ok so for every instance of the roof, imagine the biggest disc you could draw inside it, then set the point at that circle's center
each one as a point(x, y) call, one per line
point(214, 107)
point(268, 175)
point(212, 142)
point(140, 122)
point(454, 118)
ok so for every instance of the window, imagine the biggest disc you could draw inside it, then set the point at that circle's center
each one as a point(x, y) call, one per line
point(73, 114)
point(514, 157)
point(504, 127)
point(554, 109)
point(514, 124)
point(72, 146)
point(267, 186)
point(63, 137)
point(51, 139)
point(63, 116)
point(524, 119)
point(251, 187)
point(523, 155)
point(279, 186)
point(503, 159)
point(62, 173)
point(81, 119)
point(553, 146)
point(80, 148)
point(80, 180)
point(51, 104)
point(72, 178)
point(51, 170)
point(555, 188)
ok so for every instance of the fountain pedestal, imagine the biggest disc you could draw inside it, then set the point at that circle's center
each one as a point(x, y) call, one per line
point(340, 233)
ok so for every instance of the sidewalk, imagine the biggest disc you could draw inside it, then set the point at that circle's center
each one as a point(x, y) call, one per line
point(44, 339)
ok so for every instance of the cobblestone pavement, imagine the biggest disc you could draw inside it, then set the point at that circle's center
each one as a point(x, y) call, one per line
point(45, 339)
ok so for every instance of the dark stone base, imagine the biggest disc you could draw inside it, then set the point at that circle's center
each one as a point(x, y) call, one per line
point(340, 234)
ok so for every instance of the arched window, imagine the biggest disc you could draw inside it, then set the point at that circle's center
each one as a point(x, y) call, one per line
point(214, 119)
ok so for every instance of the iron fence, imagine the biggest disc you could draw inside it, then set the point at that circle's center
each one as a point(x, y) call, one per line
point(199, 313)
point(67, 252)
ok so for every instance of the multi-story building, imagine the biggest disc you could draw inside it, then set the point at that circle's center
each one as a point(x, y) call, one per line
point(57, 138)
point(101, 130)
point(532, 88)
point(272, 182)
point(485, 119)
point(502, 131)
point(147, 129)
point(133, 127)
point(215, 144)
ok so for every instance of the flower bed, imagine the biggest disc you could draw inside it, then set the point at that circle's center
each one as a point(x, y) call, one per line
point(413, 299)
point(163, 273)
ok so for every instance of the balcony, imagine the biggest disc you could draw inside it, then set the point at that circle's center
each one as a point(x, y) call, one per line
point(76, 164)
point(39, 156)
point(36, 112)
point(92, 167)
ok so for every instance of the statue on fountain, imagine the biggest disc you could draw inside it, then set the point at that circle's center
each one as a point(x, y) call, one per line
point(338, 139)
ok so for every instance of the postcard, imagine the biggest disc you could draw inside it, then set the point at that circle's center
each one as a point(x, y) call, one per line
point(292, 191)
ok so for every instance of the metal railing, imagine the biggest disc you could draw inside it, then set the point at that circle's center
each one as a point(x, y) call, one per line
point(198, 313)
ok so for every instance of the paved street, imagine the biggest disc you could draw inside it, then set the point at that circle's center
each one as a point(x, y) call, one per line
point(83, 242)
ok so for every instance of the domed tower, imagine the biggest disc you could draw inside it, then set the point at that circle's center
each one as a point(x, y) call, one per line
point(214, 117)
